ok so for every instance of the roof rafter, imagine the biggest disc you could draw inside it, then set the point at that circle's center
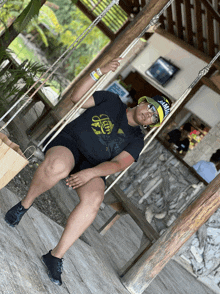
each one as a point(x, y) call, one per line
point(100, 25)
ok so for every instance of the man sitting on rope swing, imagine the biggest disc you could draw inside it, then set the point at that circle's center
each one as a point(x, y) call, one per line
point(104, 140)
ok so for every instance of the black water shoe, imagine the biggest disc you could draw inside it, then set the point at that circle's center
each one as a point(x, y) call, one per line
point(54, 267)
point(14, 215)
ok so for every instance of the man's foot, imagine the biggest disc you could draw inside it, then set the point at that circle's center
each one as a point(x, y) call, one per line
point(54, 267)
point(14, 215)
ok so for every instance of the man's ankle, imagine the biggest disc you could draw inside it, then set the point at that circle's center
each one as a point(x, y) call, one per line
point(25, 205)
point(56, 254)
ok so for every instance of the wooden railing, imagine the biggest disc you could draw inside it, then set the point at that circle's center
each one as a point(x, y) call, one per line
point(195, 21)
point(114, 19)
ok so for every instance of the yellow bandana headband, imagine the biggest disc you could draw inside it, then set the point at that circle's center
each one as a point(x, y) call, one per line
point(160, 103)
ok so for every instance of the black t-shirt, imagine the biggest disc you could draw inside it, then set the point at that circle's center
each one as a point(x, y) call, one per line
point(175, 136)
point(102, 132)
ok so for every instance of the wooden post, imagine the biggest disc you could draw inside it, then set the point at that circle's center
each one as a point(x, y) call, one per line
point(133, 211)
point(211, 9)
point(109, 223)
point(138, 278)
point(115, 49)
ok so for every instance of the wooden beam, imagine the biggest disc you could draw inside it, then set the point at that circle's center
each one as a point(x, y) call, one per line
point(139, 277)
point(216, 79)
point(211, 9)
point(219, 37)
point(188, 20)
point(209, 83)
point(131, 209)
point(143, 3)
point(216, 6)
point(198, 25)
point(115, 49)
point(187, 47)
point(170, 20)
point(125, 7)
point(179, 25)
point(187, 99)
point(109, 223)
point(128, 6)
point(143, 248)
point(122, 28)
point(91, 16)
point(210, 34)
point(162, 21)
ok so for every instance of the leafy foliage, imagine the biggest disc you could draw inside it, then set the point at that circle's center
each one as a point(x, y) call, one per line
point(15, 80)
point(31, 18)
point(9, 11)
point(30, 12)
point(72, 24)
point(46, 19)
point(55, 30)
point(49, 19)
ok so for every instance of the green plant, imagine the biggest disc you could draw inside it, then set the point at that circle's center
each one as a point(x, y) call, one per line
point(15, 79)
point(31, 18)
point(72, 26)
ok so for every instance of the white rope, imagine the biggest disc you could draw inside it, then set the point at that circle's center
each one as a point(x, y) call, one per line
point(202, 72)
point(69, 116)
point(72, 47)
point(87, 95)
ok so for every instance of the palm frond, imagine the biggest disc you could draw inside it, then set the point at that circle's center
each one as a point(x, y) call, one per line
point(28, 13)
point(15, 80)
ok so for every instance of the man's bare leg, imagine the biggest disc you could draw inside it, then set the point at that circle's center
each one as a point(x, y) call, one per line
point(91, 196)
point(58, 163)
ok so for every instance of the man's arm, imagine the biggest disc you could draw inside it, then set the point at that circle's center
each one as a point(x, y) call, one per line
point(118, 163)
point(88, 82)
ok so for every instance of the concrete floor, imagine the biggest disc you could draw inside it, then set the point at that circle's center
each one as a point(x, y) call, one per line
point(88, 269)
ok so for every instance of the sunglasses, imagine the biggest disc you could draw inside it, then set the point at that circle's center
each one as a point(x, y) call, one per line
point(155, 116)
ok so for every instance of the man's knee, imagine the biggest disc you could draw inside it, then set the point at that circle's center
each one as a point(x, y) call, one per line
point(56, 167)
point(93, 199)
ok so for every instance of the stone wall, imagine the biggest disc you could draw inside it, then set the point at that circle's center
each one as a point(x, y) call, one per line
point(203, 151)
point(160, 186)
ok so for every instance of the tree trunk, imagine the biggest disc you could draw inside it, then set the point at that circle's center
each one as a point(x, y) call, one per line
point(11, 33)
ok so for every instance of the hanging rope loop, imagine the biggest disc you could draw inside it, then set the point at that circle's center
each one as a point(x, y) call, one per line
point(154, 21)
point(204, 71)
point(70, 115)
point(172, 111)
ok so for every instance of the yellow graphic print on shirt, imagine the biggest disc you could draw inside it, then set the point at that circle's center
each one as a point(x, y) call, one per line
point(102, 124)
point(120, 131)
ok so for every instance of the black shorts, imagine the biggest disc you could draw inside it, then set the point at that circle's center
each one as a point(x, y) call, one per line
point(63, 139)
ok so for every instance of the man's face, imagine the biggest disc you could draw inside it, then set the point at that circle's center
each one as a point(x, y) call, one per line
point(146, 114)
